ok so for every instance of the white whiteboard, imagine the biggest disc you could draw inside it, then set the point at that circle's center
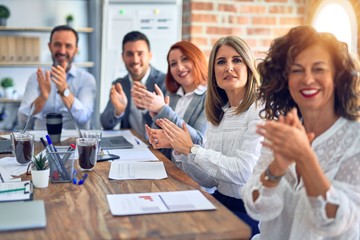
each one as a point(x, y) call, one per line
point(160, 22)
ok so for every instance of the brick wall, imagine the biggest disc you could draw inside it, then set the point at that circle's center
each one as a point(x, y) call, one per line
point(256, 21)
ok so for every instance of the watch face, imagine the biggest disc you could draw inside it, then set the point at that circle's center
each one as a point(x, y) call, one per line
point(66, 92)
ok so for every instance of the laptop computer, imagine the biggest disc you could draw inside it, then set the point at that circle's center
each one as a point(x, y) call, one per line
point(22, 215)
point(118, 142)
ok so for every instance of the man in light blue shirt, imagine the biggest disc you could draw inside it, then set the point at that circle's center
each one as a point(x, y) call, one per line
point(60, 88)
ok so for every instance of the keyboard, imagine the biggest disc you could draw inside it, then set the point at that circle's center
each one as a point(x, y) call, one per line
point(5, 146)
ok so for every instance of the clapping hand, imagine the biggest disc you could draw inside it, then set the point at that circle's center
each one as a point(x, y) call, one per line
point(152, 101)
point(58, 76)
point(157, 138)
point(287, 139)
point(118, 98)
point(136, 93)
point(179, 139)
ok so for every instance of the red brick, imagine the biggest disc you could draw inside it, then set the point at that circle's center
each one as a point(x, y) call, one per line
point(252, 9)
point(291, 20)
point(196, 29)
point(219, 30)
point(264, 20)
point(202, 6)
point(239, 19)
point(227, 7)
point(208, 18)
point(301, 10)
point(258, 31)
point(199, 41)
point(272, 1)
point(280, 9)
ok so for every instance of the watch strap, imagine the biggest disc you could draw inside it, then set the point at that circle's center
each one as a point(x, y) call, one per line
point(270, 177)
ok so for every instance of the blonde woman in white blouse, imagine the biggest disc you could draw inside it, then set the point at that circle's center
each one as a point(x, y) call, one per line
point(307, 182)
point(232, 146)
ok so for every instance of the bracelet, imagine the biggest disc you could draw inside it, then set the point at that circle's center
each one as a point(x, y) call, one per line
point(271, 178)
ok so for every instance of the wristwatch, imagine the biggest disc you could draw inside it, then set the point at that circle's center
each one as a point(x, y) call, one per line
point(271, 178)
point(65, 93)
point(194, 149)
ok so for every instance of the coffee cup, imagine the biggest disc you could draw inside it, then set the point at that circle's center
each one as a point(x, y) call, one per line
point(87, 152)
point(23, 147)
point(54, 126)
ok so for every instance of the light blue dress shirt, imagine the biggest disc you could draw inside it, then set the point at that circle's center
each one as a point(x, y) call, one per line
point(82, 85)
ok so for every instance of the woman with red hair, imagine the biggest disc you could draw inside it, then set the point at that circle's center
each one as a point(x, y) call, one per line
point(186, 81)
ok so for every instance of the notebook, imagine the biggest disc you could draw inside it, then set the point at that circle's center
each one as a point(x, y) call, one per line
point(118, 142)
point(15, 191)
point(22, 215)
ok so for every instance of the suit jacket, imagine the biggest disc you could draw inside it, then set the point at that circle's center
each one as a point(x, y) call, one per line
point(108, 119)
point(194, 117)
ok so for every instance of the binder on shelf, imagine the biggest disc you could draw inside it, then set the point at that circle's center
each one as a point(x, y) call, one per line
point(19, 43)
point(11, 52)
point(35, 49)
point(28, 50)
point(16, 191)
point(3, 48)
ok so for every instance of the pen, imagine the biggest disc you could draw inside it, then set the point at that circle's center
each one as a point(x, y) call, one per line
point(12, 190)
point(82, 180)
point(74, 177)
point(56, 158)
point(68, 154)
point(137, 141)
point(1, 177)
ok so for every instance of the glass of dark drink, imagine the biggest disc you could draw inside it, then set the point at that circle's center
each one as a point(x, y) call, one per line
point(87, 151)
point(23, 147)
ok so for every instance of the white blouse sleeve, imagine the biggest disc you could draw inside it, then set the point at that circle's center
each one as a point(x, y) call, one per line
point(270, 202)
point(209, 167)
point(344, 192)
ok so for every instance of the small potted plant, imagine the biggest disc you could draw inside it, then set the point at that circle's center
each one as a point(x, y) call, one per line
point(70, 20)
point(4, 15)
point(40, 171)
point(7, 84)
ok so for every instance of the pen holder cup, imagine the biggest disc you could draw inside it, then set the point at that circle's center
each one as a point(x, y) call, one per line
point(61, 166)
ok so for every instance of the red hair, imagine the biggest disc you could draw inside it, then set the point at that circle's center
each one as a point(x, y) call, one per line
point(195, 55)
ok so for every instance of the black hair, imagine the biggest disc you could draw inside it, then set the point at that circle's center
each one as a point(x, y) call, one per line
point(65, 28)
point(135, 36)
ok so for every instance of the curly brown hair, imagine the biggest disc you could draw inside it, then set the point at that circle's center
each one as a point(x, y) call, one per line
point(274, 91)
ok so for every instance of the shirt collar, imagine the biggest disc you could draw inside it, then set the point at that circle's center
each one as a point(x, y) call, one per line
point(146, 76)
point(199, 90)
point(72, 71)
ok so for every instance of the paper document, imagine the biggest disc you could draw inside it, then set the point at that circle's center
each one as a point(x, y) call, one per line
point(12, 167)
point(134, 154)
point(137, 170)
point(161, 202)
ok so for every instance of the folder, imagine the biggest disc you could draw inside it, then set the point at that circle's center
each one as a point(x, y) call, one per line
point(16, 191)
point(11, 52)
point(20, 49)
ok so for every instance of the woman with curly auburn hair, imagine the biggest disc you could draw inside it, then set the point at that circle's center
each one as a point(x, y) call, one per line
point(232, 147)
point(185, 82)
point(306, 182)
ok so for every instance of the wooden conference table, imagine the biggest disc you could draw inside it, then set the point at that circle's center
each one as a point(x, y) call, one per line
point(82, 212)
